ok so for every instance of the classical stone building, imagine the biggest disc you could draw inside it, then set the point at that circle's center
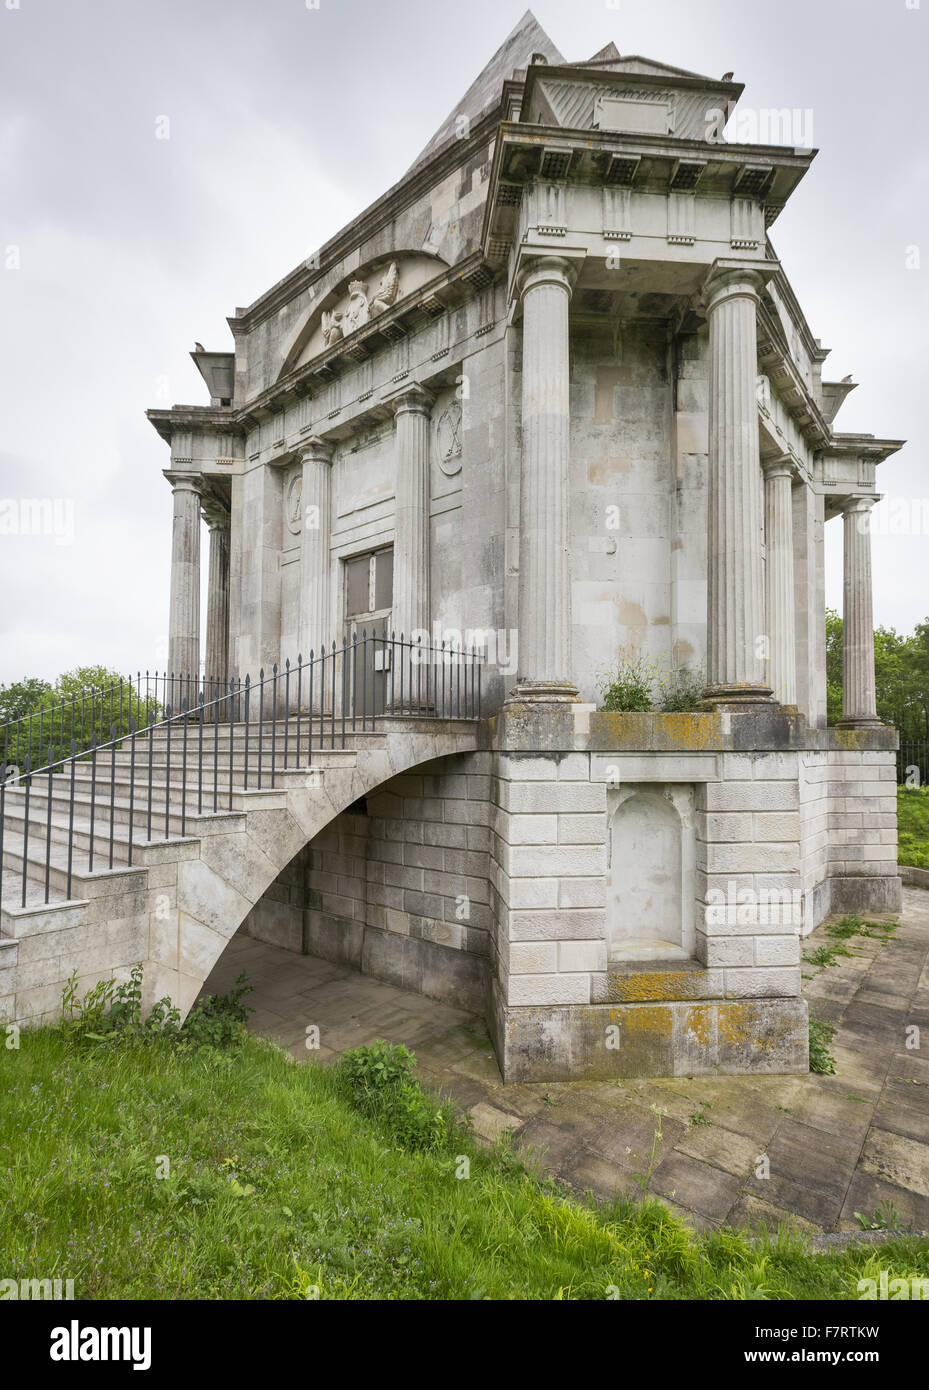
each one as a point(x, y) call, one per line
point(553, 395)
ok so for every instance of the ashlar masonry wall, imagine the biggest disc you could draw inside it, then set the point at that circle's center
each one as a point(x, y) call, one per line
point(398, 886)
point(613, 909)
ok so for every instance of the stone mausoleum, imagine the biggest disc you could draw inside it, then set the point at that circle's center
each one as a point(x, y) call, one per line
point(552, 395)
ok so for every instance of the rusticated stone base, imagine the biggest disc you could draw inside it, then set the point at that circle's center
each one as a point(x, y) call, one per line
point(857, 893)
point(604, 1042)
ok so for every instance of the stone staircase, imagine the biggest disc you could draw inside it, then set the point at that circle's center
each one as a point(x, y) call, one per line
point(154, 850)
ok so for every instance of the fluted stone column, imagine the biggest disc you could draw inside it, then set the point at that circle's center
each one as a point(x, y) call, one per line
point(315, 598)
point(217, 606)
point(859, 695)
point(780, 607)
point(544, 657)
point(411, 605)
point(184, 622)
point(735, 591)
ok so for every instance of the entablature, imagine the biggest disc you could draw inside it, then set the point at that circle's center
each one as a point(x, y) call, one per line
point(662, 164)
point(847, 467)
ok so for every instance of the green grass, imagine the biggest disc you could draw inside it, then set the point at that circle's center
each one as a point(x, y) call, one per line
point(279, 1184)
point(913, 826)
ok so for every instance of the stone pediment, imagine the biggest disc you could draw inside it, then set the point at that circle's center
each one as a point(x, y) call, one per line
point(630, 102)
point(359, 298)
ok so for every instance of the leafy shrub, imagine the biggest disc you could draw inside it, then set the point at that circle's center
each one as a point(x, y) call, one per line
point(682, 690)
point(644, 684)
point(629, 686)
point(87, 1015)
point(380, 1082)
point(218, 1020)
point(112, 1013)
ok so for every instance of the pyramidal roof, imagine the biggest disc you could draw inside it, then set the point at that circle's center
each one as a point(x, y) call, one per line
point(515, 52)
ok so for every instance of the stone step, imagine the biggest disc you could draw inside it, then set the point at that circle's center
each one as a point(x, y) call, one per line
point(81, 877)
point(195, 767)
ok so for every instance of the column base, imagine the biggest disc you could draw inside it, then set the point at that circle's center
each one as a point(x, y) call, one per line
point(543, 692)
point(862, 722)
point(737, 696)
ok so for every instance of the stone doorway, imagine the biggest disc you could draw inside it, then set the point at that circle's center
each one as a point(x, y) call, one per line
point(368, 602)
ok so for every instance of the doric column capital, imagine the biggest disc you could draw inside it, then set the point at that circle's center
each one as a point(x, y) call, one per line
point(546, 270)
point(857, 504)
point(736, 279)
point(856, 512)
point(783, 466)
point(412, 400)
point(184, 482)
point(315, 450)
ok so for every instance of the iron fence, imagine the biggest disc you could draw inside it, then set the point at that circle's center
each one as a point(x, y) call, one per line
point(913, 762)
point(92, 712)
point(232, 735)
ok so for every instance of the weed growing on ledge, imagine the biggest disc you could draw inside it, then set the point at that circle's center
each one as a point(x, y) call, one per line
point(821, 1060)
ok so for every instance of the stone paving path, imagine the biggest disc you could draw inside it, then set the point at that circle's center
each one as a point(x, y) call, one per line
point(836, 1145)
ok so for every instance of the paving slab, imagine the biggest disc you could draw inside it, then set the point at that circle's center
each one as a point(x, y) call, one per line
point(854, 1141)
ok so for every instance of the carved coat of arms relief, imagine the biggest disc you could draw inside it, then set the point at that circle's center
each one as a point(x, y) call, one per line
point(361, 306)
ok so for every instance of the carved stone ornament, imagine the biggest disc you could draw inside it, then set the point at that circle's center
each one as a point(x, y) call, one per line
point(448, 439)
point(361, 307)
point(293, 502)
point(332, 327)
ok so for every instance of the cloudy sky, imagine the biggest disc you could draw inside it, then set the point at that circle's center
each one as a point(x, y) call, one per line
point(118, 249)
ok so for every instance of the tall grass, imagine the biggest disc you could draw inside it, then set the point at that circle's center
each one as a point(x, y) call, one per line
point(275, 1185)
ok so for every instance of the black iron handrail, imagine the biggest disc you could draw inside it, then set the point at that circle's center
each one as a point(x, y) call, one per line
point(95, 709)
point(338, 692)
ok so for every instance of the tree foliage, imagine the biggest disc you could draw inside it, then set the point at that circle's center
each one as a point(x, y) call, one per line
point(901, 675)
point(85, 703)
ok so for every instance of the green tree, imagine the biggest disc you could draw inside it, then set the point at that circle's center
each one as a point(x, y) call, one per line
point(833, 666)
point(21, 697)
point(85, 703)
point(901, 676)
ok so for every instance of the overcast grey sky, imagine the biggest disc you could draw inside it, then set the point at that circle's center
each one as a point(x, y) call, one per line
point(119, 249)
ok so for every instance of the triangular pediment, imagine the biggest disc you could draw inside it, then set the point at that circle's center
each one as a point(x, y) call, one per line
point(610, 58)
point(515, 53)
point(608, 54)
point(627, 95)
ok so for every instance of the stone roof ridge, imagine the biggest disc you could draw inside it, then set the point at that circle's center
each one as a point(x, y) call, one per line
point(633, 63)
point(514, 54)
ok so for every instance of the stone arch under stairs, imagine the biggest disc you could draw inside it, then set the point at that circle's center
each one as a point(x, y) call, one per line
point(175, 910)
point(247, 848)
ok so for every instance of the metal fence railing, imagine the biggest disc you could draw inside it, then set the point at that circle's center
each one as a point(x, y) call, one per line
point(90, 801)
point(90, 713)
point(913, 761)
